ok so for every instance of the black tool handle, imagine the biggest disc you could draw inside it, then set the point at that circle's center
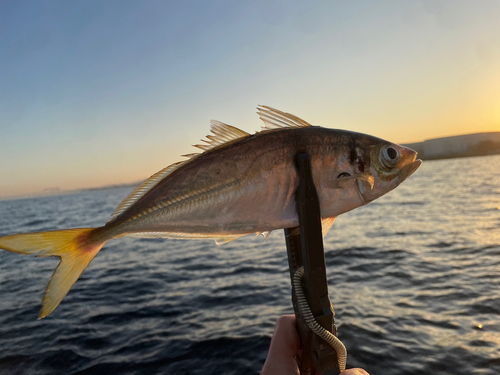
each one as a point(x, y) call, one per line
point(305, 248)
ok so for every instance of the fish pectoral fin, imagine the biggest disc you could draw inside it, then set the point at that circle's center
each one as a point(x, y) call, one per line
point(339, 183)
point(326, 224)
point(365, 176)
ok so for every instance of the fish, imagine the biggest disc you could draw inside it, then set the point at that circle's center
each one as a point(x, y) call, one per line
point(238, 184)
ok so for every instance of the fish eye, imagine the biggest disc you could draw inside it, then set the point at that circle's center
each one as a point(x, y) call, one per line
point(389, 157)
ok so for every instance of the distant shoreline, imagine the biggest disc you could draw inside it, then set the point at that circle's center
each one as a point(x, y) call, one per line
point(56, 192)
point(459, 146)
point(469, 145)
point(462, 155)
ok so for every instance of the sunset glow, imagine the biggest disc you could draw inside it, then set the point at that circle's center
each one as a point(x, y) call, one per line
point(102, 93)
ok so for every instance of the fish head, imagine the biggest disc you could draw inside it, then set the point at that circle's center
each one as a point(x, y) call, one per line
point(388, 165)
point(365, 169)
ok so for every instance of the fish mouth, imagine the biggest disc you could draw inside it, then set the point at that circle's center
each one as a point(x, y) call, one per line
point(413, 166)
point(412, 163)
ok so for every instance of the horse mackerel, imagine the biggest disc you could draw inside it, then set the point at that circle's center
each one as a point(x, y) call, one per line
point(240, 184)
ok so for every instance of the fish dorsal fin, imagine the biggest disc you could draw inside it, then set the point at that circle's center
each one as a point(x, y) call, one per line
point(274, 119)
point(143, 188)
point(222, 134)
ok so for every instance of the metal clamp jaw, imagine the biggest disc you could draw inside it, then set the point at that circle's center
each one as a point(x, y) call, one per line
point(305, 248)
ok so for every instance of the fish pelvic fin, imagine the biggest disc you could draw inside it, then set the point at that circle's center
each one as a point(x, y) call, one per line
point(326, 224)
point(75, 247)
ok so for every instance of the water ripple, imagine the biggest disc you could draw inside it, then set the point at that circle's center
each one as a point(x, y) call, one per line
point(413, 277)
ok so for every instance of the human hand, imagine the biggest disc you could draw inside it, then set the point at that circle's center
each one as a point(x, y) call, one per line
point(284, 348)
point(354, 371)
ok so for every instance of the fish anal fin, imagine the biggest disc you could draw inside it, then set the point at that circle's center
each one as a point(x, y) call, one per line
point(264, 234)
point(218, 238)
point(226, 239)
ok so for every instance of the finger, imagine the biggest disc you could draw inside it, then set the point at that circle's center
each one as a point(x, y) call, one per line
point(354, 371)
point(285, 341)
point(284, 347)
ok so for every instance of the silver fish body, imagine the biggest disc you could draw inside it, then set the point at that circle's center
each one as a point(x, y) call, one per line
point(244, 187)
point(249, 186)
point(240, 184)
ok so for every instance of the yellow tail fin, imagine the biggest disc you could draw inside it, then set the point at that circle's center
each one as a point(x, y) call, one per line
point(75, 248)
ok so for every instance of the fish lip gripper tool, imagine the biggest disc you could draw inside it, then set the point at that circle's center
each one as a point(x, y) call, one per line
point(305, 249)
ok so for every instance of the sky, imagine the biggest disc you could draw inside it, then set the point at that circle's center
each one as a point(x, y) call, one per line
point(95, 93)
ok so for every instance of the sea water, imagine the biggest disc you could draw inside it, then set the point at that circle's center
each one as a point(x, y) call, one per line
point(414, 277)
